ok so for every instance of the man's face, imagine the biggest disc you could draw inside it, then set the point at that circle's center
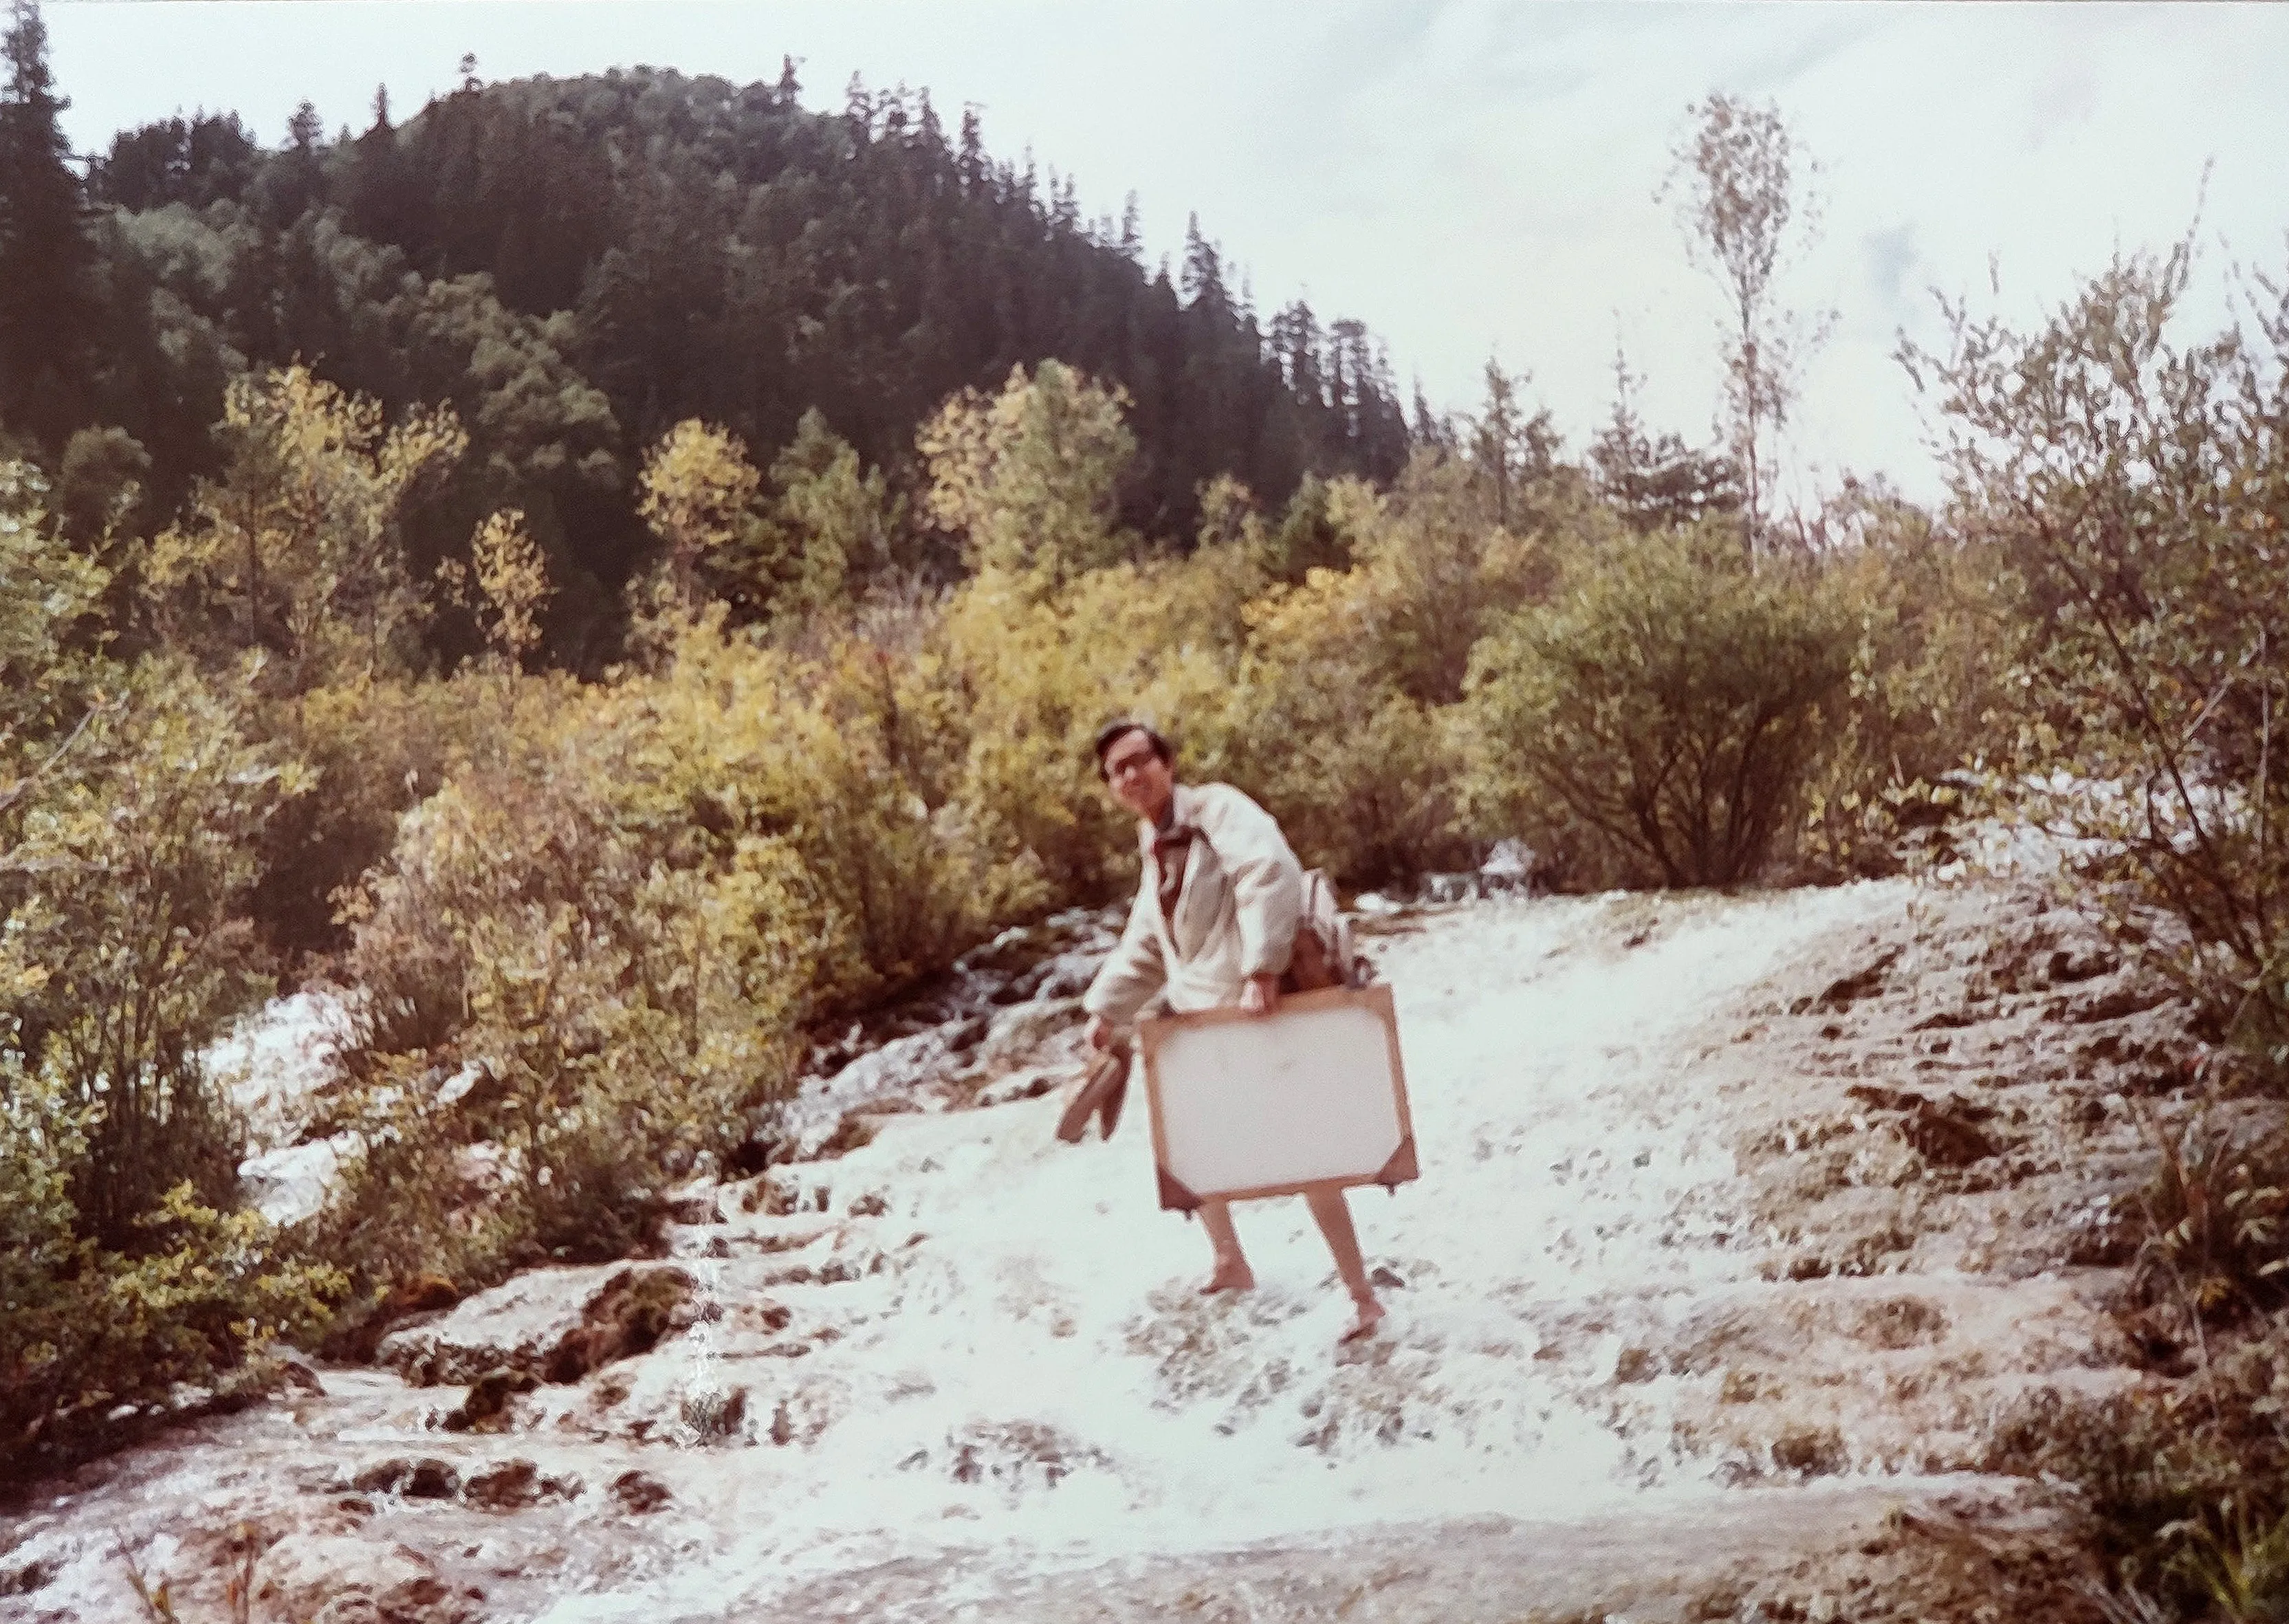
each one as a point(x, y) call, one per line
point(1138, 778)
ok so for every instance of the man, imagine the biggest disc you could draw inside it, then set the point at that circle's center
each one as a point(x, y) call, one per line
point(1216, 911)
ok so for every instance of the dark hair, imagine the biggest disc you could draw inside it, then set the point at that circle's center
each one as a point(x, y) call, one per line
point(1114, 731)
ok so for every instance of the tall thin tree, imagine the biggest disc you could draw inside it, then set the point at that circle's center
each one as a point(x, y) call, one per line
point(1745, 202)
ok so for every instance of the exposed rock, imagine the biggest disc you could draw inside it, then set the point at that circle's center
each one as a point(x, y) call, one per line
point(2116, 1002)
point(342, 1579)
point(1066, 975)
point(1944, 1139)
point(558, 1324)
point(486, 1408)
point(636, 1308)
point(292, 1370)
point(1902, 1322)
point(25, 1579)
point(1845, 991)
point(1635, 1364)
point(751, 1155)
point(906, 1057)
point(2065, 967)
point(1013, 1453)
point(768, 1197)
point(422, 1293)
point(1014, 950)
point(420, 1301)
point(1442, 888)
point(1942, 1134)
point(692, 1207)
point(963, 1035)
point(1947, 1020)
point(765, 1316)
point(513, 1484)
point(1031, 1083)
point(640, 1492)
point(1813, 1452)
point(714, 1414)
point(852, 1133)
point(426, 1478)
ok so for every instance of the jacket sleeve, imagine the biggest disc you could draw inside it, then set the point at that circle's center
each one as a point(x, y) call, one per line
point(1128, 978)
point(1267, 882)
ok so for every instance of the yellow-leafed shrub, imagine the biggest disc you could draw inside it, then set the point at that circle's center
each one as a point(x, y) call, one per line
point(624, 921)
point(1038, 674)
point(1356, 769)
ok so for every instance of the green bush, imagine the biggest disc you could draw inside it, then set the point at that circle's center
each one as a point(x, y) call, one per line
point(124, 865)
point(1938, 623)
point(1656, 718)
point(123, 887)
point(85, 1330)
point(2215, 1244)
point(2141, 488)
point(621, 1009)
point(2183, 1482)
point(51, 630)
point(295, 550)
point(1031, 674)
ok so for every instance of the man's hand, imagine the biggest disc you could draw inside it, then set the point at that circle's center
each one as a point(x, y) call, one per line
point(1261, 995)
point(1100, 1032)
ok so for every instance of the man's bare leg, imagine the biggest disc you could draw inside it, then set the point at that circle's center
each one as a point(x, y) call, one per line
point(1233, 1273)
point(1334, 1215)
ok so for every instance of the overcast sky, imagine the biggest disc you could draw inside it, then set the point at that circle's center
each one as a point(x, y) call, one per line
point(1466, 176)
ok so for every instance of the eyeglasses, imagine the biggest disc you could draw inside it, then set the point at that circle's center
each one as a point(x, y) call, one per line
point(1121, 766)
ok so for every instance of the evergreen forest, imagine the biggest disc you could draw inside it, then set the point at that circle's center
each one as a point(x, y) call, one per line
point(578, 264)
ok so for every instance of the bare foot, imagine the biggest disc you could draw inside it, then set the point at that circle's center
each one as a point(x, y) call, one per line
point(1370, 1315)
point(1238, 1279)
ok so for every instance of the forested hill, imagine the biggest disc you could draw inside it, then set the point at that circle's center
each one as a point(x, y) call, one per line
point(577, 264)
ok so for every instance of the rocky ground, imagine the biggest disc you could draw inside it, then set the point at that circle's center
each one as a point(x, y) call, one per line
point(1742, 1221)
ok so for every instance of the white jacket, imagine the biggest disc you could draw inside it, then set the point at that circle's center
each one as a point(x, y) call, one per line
point(1236, 916)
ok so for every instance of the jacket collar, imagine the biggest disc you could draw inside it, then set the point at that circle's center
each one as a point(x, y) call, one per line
point(1183, 813)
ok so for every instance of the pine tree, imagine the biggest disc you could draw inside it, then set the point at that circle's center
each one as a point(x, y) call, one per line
point(297, 182)
point(1657, 481)
point(45, 309)
point(1511, 448)
point(1744, 201)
